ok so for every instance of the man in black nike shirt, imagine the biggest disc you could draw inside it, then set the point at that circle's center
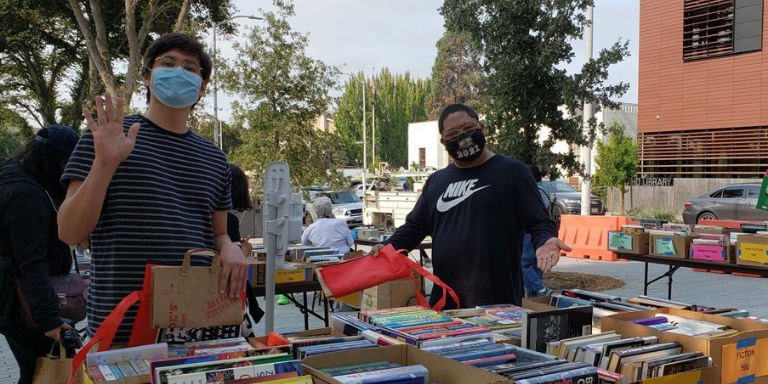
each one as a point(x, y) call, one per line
point(477, 210)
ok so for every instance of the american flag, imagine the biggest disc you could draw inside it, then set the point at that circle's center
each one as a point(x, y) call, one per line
point(373, 91)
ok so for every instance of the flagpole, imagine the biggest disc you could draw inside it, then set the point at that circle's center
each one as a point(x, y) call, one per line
point(373, 118)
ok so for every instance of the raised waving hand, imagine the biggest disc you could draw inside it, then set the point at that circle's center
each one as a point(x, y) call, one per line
point(111, 144)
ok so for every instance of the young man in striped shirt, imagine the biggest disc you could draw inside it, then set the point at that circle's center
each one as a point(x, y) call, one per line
point(146, 188)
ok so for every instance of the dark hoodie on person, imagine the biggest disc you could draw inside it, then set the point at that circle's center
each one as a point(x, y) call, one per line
point(30, 249)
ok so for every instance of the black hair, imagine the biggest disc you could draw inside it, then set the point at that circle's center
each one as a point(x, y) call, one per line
point(46, 165)
point(453, 108)
point(536, 172)
point(183, 43)
point(241, 198)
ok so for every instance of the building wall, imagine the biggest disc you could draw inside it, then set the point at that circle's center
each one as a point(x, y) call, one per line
point(325, 123)
point(426, 135)
point(673, 95)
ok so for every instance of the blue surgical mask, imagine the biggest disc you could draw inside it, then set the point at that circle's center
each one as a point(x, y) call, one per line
point(176, 88)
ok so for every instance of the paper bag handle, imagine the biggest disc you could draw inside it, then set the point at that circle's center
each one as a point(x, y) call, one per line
point(213, 284)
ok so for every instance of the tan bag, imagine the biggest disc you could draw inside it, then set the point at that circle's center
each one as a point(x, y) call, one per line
point(53, 369)
point(188, 297)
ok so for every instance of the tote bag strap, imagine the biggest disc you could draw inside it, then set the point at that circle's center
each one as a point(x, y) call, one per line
point(106, 332)
point(420, 299)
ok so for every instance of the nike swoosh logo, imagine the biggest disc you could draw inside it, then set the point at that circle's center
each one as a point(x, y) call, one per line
point(444, 206)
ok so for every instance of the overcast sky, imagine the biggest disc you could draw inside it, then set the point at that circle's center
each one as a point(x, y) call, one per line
point(401, 35)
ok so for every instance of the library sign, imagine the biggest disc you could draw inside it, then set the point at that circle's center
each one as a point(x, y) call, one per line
point(654, 181)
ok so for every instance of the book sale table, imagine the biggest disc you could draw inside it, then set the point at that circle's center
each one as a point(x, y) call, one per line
point(675, 264)
point(288, 290)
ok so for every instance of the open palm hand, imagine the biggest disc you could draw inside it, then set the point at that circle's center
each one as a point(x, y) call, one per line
point(111, 144)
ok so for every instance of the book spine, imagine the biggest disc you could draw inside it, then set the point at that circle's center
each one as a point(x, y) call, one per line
point(96, 374)
point(582, 375)
point(357, 378)
point(107, 373)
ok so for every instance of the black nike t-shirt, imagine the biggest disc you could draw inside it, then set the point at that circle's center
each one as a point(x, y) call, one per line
point(477, 217)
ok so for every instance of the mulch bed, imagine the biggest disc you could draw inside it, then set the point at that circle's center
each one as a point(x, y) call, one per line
point(557, 281)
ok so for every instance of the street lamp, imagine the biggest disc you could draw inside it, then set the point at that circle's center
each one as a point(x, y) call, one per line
point(218, 133)
point(365, 146)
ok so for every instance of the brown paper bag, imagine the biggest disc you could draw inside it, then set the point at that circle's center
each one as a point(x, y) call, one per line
point(53, 369)
point(188, 297)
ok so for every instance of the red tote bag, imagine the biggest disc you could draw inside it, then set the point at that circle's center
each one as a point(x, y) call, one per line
point(364, 272)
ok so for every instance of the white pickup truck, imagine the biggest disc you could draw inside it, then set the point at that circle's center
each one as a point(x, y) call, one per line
point(388, 209)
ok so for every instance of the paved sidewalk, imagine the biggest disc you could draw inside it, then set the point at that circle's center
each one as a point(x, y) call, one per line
point(695, 287)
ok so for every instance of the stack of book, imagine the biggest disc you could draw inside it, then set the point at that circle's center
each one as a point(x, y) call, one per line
point(279, 368)
point(326, 337)
point(504, 320)
point(423, 327)
point(317, 349)
point(215, 361)
point(602, 304)
point(629, 360)
point(683, 326)
point(380, 372)
point(477, 353)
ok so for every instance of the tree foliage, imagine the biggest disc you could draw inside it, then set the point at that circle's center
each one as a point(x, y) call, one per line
point(115, 33)
point(399, 100)
point(457, 75)
point(282, 91)
point(14, 133)
point(40, 55)
point(616, 160)
point(524, 45)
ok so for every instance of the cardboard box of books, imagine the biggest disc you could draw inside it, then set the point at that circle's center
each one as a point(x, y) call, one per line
point(737, 355)
point(715, 253)
point(670, 245)
point(620, 242)
point(300, 272)
point(393, 294)
point(538, 303)
point(752, 250)
point(440, 369)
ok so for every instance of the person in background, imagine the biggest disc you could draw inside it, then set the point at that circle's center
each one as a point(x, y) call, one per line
point(242, 202)
point(327, 231)
point(406, 187)
point(532, 275)
point(477, 210)
point(147, 189)
point(30, 249)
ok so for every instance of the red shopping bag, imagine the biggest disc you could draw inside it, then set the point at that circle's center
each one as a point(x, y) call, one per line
point(367, 271)
point(102, 339)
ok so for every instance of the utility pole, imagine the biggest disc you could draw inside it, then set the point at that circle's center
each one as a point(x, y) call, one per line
point(586, 151)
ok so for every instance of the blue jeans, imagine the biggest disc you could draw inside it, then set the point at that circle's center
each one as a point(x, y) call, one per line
point(531, 273)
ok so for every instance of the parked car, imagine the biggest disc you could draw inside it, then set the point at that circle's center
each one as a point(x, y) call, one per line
point(346, 206)
point(730, 202)
point(359, 189)
point(566, 200)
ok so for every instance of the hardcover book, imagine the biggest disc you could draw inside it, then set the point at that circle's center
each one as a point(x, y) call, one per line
point(540, 328)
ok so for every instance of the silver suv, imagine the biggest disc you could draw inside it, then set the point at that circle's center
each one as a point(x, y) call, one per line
point(346, 206)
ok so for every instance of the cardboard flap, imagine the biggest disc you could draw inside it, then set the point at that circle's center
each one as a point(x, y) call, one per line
point(441, 370)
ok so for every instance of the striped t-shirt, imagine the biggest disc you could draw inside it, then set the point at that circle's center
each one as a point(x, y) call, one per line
point(159, 204)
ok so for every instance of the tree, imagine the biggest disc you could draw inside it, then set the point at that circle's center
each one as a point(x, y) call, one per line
point(457, 74)
point(399, 100)
point(524, 45)
point(282, 91)
point(41, 55)
point(120, 31)
point(616, 161)
point(14, 133)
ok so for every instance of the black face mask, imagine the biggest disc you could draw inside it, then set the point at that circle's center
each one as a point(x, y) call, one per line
point(467, 147)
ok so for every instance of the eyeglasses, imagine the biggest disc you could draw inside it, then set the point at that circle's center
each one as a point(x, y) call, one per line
point(171, 62)
point(454, 133)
